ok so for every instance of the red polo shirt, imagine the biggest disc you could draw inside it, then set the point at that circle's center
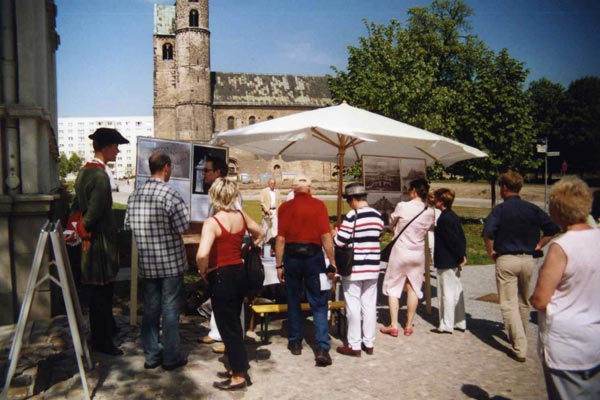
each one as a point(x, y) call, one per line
point(303, 219)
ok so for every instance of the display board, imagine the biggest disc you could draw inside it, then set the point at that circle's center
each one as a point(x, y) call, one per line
point(387, 178)
point(187, 177)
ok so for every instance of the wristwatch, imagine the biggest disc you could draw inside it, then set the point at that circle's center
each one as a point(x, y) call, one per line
point(279, 267)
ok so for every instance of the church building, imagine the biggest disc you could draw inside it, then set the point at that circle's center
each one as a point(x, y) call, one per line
point(192, 103)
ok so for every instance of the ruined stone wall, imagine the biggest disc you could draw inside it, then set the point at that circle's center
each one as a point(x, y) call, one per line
point(242, 115)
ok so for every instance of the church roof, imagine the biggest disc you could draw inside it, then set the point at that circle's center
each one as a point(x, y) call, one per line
point(230, 88)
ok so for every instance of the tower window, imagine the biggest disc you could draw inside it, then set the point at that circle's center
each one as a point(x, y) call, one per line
point(230, 122)
point(251, 120)
point(193, 1)
point(167, 51)
point(194, 18)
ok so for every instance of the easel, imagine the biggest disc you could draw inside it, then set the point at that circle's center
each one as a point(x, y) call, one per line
point(52, 230)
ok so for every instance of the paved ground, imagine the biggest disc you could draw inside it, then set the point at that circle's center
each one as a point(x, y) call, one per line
point(473, 364)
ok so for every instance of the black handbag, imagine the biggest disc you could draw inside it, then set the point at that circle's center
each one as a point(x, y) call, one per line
point(255, 270)
point(387, 250)
point(344, 256)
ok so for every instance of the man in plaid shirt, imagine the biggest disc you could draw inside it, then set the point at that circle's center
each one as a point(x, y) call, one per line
point(158, 216)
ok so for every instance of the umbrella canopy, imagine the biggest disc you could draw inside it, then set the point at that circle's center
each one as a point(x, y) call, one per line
point(343, 134)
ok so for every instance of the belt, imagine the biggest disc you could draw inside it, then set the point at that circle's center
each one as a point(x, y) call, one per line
point(301, 250)
point(273, 208)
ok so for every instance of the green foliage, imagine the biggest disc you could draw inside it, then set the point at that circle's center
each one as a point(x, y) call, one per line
point(436, 75)
point(68, 165)
point(354, 171)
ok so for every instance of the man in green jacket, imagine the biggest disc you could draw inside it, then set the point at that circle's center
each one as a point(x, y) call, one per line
point(98, 230)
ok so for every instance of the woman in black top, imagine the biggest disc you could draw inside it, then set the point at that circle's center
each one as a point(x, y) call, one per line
point(449, 256)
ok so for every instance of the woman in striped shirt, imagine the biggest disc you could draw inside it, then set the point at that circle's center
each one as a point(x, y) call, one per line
point(360, 287)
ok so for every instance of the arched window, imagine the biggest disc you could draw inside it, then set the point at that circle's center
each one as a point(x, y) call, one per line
point(276, 167)
point(194, 18)
point(269, 117)
point(251, 120)
point(230, 122)
point(167, 51)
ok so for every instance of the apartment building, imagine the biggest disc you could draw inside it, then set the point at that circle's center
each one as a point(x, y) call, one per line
point(73, 135)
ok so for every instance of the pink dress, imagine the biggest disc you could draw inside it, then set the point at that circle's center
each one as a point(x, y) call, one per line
point(407, 259)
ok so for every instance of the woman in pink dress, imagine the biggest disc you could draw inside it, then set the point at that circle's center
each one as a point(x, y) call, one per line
point(407, 260)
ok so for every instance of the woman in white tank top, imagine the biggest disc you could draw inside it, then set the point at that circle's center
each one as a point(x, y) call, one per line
point(567, 295)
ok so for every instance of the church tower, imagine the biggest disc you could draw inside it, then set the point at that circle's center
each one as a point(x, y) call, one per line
point(182, 90)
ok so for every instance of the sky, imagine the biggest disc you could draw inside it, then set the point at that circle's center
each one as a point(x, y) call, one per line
point(105, 68)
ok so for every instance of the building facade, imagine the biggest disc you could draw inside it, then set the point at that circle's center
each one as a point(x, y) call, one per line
point(192, 103)
point(73, 135)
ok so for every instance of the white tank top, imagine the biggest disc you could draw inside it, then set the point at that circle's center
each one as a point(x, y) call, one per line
point(570, 327)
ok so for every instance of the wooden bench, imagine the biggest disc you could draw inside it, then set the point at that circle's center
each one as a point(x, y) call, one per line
point(264, 311)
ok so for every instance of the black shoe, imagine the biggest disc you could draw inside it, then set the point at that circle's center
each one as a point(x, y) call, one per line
point(111, 351)
point(323, 358)
point(224, 374)
point(226, 385)
point(295, 348)
point(437, 330)
point(178, 364)
point(152, 365)
point(517, 358)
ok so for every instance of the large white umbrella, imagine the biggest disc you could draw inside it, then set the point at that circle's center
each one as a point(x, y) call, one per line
point(343, 134)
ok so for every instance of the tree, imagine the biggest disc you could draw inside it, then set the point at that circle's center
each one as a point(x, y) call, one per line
point(437, 76)
point(580, 128)
point(68, 165)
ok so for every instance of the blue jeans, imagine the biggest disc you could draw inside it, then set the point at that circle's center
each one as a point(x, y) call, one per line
point(162, 296)
point(306, 270)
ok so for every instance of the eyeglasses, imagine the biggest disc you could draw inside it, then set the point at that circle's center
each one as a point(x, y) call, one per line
point(205, 170)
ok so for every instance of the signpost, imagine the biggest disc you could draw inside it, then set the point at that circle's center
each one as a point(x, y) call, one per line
point(542, 147)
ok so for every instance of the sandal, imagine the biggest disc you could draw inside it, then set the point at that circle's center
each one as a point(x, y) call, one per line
point(408, 331)
point(389, 331)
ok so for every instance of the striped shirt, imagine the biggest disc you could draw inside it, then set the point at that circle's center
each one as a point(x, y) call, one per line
point(157, 215)
point(369, 226)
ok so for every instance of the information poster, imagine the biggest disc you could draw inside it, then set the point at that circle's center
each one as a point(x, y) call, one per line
point(386, 180)
point(187, 176)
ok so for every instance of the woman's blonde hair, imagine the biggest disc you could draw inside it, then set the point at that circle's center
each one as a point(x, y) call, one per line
point(570, 201)
point(223, 194)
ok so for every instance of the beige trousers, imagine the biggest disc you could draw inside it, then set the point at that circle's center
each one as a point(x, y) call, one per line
point(513, 278)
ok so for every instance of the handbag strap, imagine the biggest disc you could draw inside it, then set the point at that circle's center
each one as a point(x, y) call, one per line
point(406, 226)
point(353, 229)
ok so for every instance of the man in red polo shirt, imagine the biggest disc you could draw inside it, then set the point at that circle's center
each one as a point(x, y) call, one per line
point(303, 232)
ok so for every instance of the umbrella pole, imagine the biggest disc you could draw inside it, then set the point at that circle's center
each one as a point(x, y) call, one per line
point(340, 184)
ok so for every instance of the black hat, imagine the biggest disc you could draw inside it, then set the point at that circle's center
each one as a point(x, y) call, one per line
point(354, 189)
point(108, 136)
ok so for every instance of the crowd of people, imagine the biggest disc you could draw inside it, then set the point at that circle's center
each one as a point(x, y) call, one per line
point(514, 233)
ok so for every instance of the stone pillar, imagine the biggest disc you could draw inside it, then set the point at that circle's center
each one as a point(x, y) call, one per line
point(28, 145)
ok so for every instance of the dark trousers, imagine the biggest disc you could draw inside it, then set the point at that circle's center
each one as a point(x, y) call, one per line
point(102, 323)
point(228, 288)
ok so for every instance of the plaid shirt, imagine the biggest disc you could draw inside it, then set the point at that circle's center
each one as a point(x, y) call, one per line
point(158, 216)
